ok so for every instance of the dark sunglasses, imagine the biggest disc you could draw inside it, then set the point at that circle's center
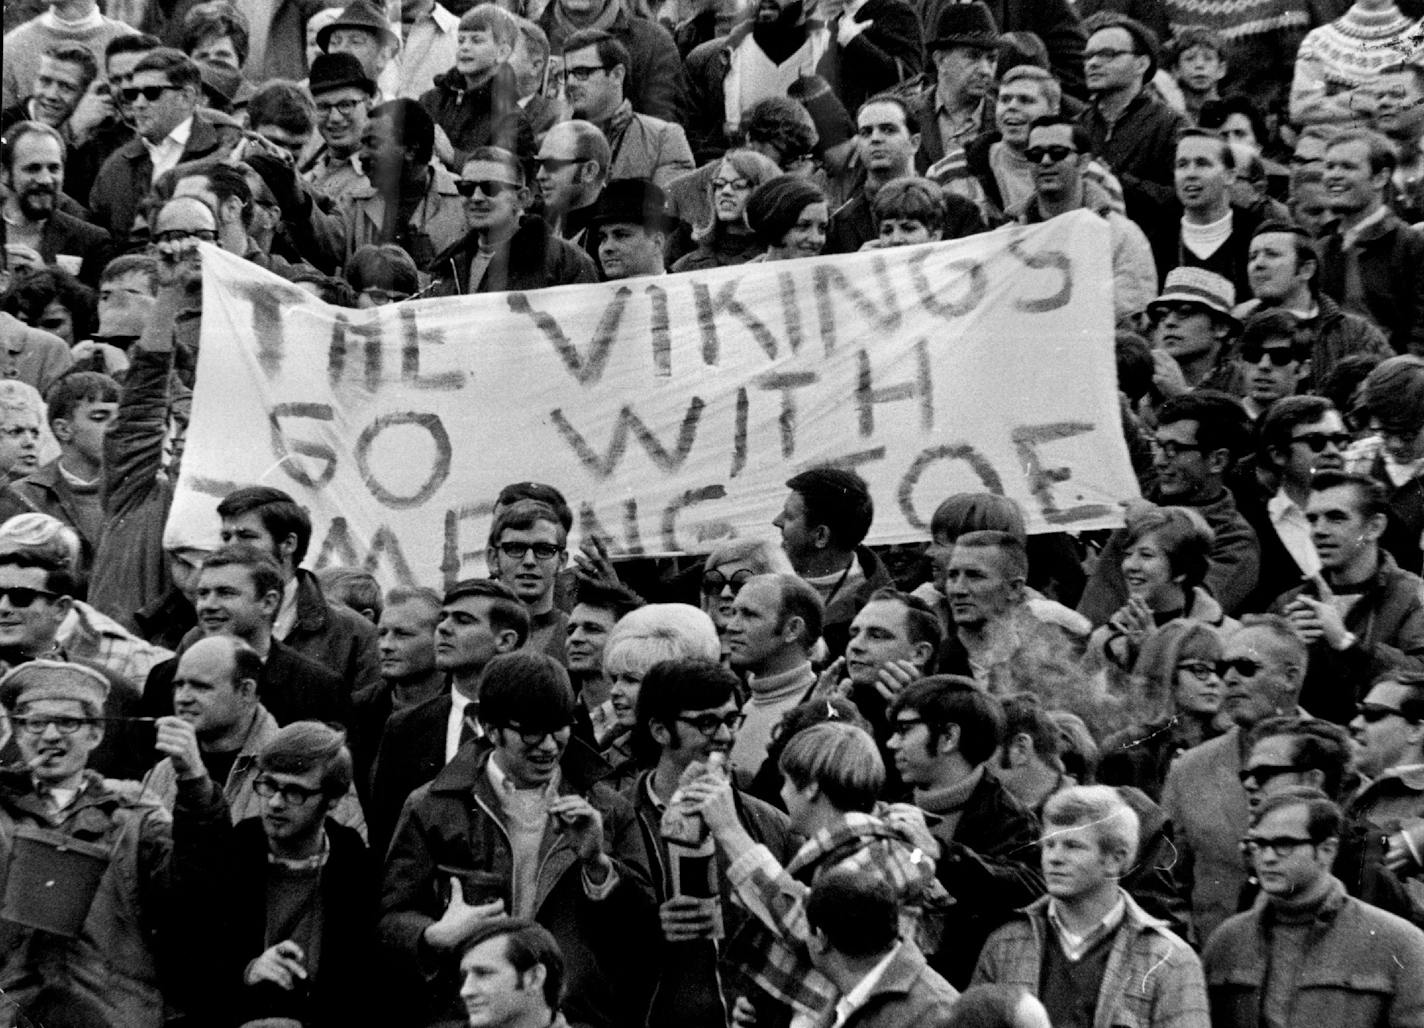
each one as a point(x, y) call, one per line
point(713, 582)
point(150, 93)
point(1372, 712)
point(18, 596)
point(1036, 154)
point(552, 164)
point(1243, 666)
point(1317, 441)
point(1280, 355)
point(1263, 773)
point(489, 187)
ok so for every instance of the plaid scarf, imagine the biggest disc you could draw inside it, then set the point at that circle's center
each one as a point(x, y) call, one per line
point(777, 960)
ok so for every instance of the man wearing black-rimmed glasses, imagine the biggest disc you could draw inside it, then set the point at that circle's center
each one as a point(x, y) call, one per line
point(528, 546)
point(1300, 955)
point(1262, 667)
point(1363, 614)
point(505, 248)
point(688, 718)
point(512, 829)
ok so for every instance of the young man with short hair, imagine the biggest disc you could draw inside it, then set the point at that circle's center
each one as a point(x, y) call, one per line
point(504, 830)
point(512, 976)
point(597, 609)
point(1319, 939)
point(475, 98)
point(1087, 950)
point(66, 23)
point(477, 620)
point(527, 549)
point(1272, 363)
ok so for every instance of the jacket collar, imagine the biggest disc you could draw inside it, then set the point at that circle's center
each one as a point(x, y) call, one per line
point(312, 612)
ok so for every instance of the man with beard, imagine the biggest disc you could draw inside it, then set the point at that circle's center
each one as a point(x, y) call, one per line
point(33, 156)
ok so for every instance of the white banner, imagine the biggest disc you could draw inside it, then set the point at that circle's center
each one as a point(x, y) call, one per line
point(670, 411)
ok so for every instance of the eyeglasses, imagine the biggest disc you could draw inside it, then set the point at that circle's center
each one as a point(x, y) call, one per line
point(1264, 773)
point(38, 723)
point(1036, 154)
point(553, 164)
point(489, 187)
point(1171, 449)
point(292, 795)
point(1280, 355)
point(18, 596)
point(736, 185)
point(902, 727)
point(1373, 712)
point(1317, 441)
point(150, 93)
point(180, 235)
point(585, 73)
point(1201, 670)
point(1279, 845)
point(1243, 666)
point(542, 551)
point(533, 739)
point(708, 724)
point(341, 107)
point(1107, 54)
point(384, 295)
point(713, 582)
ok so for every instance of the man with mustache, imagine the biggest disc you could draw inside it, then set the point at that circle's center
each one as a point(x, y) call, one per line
point(33, 156)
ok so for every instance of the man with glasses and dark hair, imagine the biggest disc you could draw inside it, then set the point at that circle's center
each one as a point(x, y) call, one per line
point(1362, 615)
point(595, 67)
point(527, 549)
point(1059, 152)
point(1193, 325)
point(1298, 955)
point(162, 98)
point(1272, 362)
point(506, 830)
point(342, 92)
point(505, 247)
point(1198, 436)
point(944, 731)
point(1388, 730)
point(1263, 667)
point(687, 720)
point(1132, 131)
point(1281, 267)
point(479, 619)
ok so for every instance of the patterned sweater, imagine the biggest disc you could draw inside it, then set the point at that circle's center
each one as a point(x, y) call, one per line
point(1349, 52)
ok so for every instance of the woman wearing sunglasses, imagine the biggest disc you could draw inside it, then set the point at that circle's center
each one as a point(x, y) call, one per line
point(1164, 564)
point(1173, 703)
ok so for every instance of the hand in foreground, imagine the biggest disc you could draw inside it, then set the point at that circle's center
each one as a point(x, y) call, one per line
point(689, 917)
point(178, 741)
point(460, 919)
point(283, 965)
point(582, 823)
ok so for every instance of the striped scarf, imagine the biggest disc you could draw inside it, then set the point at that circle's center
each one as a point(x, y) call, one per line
point(1238, 19)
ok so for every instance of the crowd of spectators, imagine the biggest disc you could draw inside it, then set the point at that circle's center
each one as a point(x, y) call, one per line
point(1167, 775)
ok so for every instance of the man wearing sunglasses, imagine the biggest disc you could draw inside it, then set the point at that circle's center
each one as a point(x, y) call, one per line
point(1388, 730)
point(573, 164)
point(1270, 361)
point(162, 96)
point(1364, 614)
point(504, 248)
point(687, 712)
point(513, 829)
point(1059, 152)
point(1263, 666)
point(1282, 270)
point(1299, 955)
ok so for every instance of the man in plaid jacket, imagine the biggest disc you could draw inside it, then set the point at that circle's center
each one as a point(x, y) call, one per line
point(834, 774)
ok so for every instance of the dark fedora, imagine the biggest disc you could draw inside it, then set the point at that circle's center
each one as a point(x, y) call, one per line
point(359, 14)
point(330, 72)
point(633, 201)
point(969, 25)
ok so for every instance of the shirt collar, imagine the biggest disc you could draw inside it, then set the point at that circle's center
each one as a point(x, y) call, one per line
point(1075, 945)
point(855, 999)
point(503, 786)
point(1281, 506)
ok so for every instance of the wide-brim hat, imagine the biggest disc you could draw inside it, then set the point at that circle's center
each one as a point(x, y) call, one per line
point(330, 72)
point(359, 15)
point(633, 201)
point(1199, 286)
point(970, 25)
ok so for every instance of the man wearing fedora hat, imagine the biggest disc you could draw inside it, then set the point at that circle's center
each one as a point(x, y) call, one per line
point(343, 93)
point(505, 248)
point(630, 227)
point(108, 972)
point(363, 31)
point(962, 53)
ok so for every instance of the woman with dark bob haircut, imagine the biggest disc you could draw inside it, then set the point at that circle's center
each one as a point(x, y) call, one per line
point(789, 216)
